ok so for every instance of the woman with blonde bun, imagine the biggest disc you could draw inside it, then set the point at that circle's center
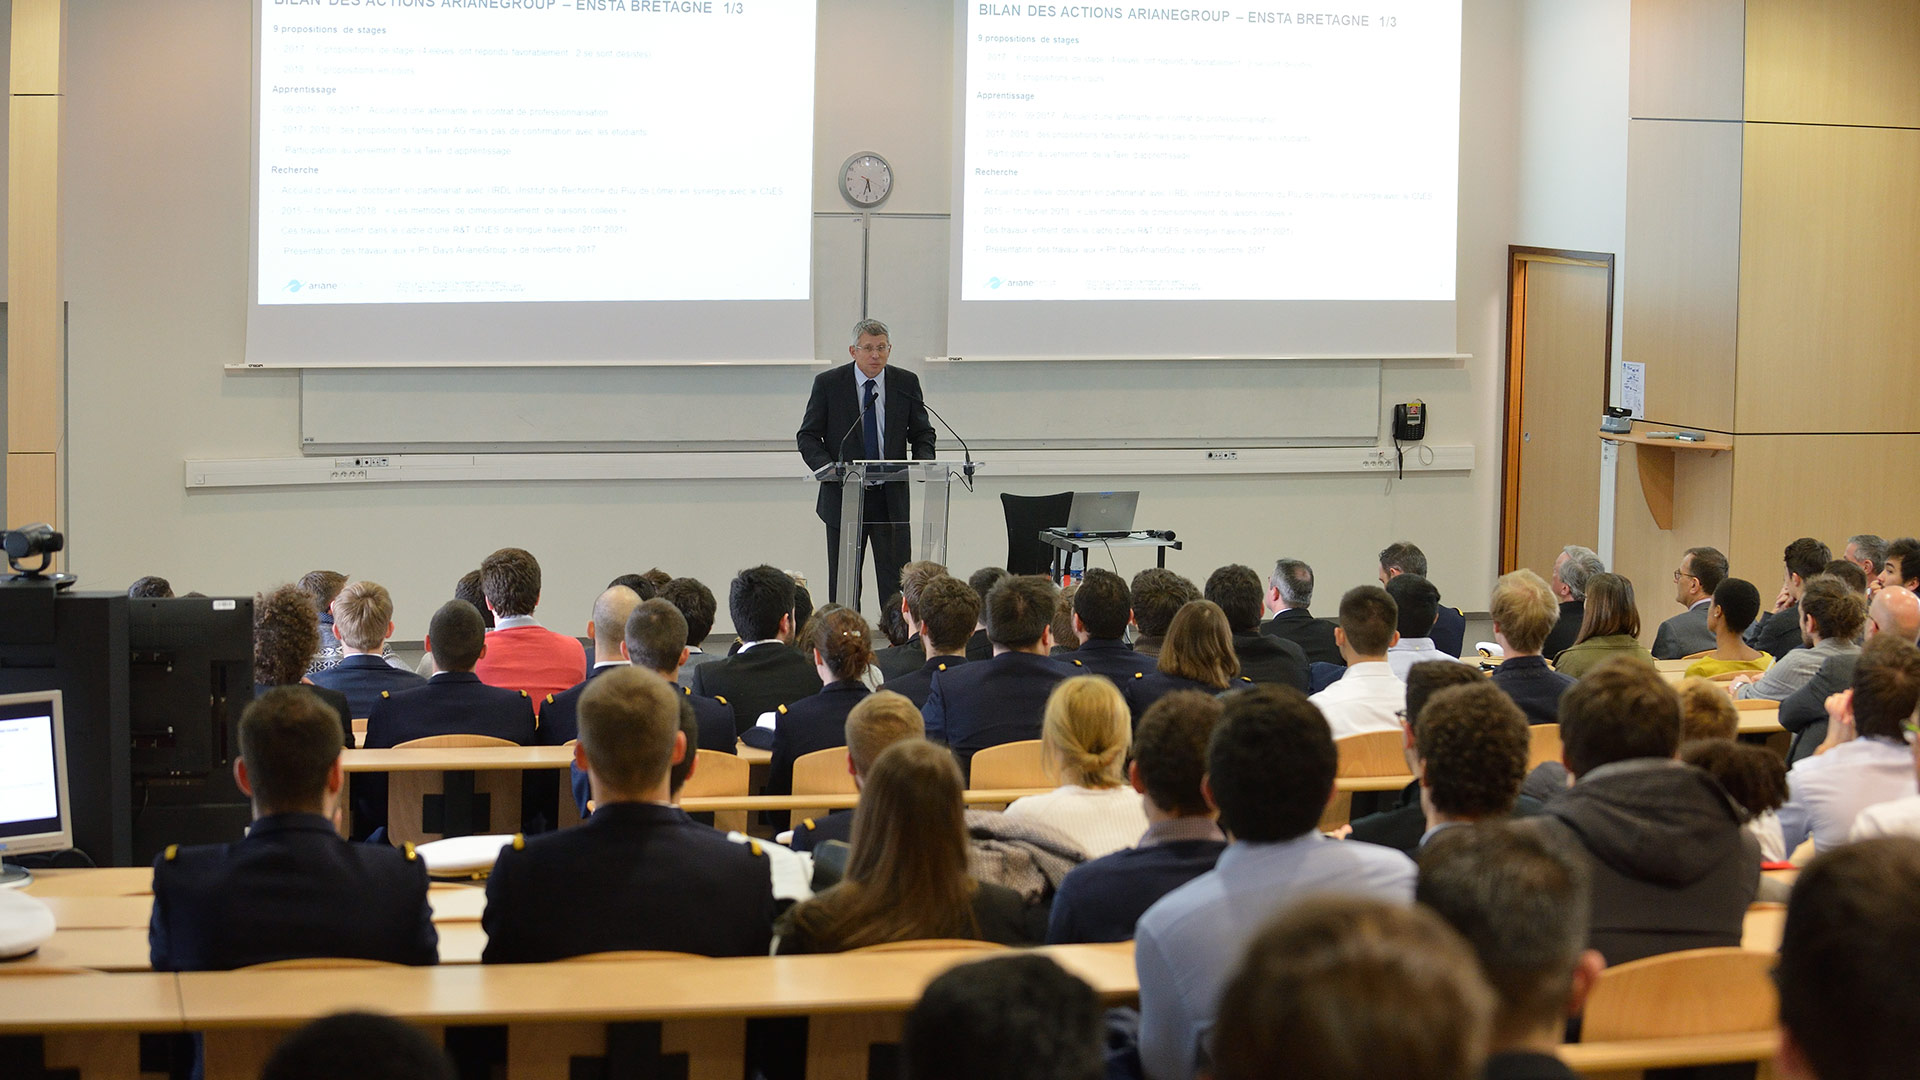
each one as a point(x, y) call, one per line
point(1084, 741)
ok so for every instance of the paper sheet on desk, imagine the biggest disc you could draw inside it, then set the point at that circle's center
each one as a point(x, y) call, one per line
point(792, 870)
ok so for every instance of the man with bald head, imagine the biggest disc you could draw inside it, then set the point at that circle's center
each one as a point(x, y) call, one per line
point(1895, 610)
point(608, 632)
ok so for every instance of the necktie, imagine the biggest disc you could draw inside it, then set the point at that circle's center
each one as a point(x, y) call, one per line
point(870, 420)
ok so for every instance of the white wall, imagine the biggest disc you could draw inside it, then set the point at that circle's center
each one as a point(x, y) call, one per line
point(157, 188)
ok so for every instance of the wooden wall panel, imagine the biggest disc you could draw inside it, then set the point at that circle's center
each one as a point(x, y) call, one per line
point(1647, 554)
point(35, 345)
point(1682, 287)
point(1788, 486)
point(33, 489)
point(1832, 61)
point(1687, 62)
point(37, 61)
point(1829, 257)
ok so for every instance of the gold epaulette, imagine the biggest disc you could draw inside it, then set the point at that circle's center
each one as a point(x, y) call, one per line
point(783, 710)
point(519, 841)
point(173, 851)
point(412, 855)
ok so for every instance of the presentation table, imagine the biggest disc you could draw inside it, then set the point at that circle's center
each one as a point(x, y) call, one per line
point(1065, 547)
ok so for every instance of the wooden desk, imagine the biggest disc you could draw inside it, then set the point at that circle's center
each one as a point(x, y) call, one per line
point(106, 881)
point(457, 759)
point(751, 755)
point(1763, 926)
point(1760, 721)
point(90, 1023)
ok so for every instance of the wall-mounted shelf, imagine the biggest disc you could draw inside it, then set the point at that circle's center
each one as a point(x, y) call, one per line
point(1655, 457)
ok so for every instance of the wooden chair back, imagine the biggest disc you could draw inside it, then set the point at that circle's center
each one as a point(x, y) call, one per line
point(1544, 744)
point(1680, 994)
point(1754, 704)
point(1011, 765)
point(569, 811)
point(1376, 753)
point(933, 945)
point(714, 774)
point(823, 772)
point(408, 792)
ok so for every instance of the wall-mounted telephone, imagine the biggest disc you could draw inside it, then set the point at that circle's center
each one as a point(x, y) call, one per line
point(1410, 422)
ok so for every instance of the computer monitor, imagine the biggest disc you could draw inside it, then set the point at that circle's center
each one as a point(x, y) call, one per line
point(34, 811)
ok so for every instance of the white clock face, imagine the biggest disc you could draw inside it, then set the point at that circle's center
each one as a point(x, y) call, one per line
point(866, 180)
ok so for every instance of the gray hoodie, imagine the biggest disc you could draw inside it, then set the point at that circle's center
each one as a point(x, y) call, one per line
point(1673, 868)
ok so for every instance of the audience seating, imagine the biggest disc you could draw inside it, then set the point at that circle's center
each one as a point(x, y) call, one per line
point(1011, 765)
point(408, 792)
point(1688, 993)
point(718, 774)
point(1376, 754)
point(1544, 744)
point(823, 772)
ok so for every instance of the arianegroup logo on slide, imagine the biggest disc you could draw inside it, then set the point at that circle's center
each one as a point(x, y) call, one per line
point(294, 285)
point(993, 283)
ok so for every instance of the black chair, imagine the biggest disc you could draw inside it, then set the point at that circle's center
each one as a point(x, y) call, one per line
point(1027, 515)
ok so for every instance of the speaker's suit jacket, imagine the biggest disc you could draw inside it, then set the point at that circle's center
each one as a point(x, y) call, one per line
point(833, 410)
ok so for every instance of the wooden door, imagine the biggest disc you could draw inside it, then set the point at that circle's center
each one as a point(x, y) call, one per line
point(1558, 352)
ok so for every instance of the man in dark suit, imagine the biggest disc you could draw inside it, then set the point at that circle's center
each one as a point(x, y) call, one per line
point(1289, 592)
point(1779, 632)
point(1895, 610)
point(639, 873)
point(363, 619)
point(879, 721)
point(607, 631)
point(1263, 658)
point(1450, 624)
point(1001, 700)
point(767, 671)
point(1701, 571)
point(292, 888)
point(949, 610)
point(1102, 605)
point(1571, 569)
point(1523, 614)
point(906, 658)
point(866, 411)
point(983, 580)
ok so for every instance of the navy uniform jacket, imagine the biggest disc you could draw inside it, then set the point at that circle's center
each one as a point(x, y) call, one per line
point(833, 412)
point(813, 832)
point(1314, 636)
point(292, 888)
point(334, 698)
point(361, 677)
point(918, 684)
point(758, 680)
point(1533, 686)
point(451, 703)
point(897, 660)
point(979, 646)
point(1449, 631)
point(1113, 658)
point(1150, 686)
point(1565, 629)
point(1001, 700)
point(1103, 899)
point(817, 722)
point(560, 713)
point(632, 876)
point(1266, 659)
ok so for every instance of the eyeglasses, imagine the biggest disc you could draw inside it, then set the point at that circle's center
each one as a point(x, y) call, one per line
point(873, 350)
point(1400, 714)
point(1678, 574)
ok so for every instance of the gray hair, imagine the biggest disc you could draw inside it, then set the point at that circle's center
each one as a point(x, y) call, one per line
point(1871, 548)
point(1294, 579)
point(869, 328)
point(1582, 563)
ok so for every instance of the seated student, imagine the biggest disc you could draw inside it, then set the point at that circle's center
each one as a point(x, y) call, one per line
point(284, 637)
point(1103, 899)
point(1263, 657)
point(1866, 759)
point(455, 701)
point(1009, 1017)
point(1289, 592)
point(1158, 594)
point(1778, 633)
point(1065, 638)
point(1084, 739)
point(980, 645)
point(1571, 570)
point(1846, 975)
point(986, 703)
point(320, 587)
point(907, 877)
point(906, 656)
point(363, 621)
point(1522, 904)
point(1369, 697)
point(1673, 865)
point(1099, 613)
point(1270, 772)
point(1731, 610)
point(1850, 575)
point(292, 888)
point(366, 1046)
point(639, 873)
point(1416, 603)
point(1523, 613)
point(841, 647)
point(949, 610)
point(1700, 574)
point(1831, 618)
point(1450, 624)
point(764, 674)
point(1756, 779)
point(522, 654)
point(1196, 654)
point(1894, 610)
point(1354, 989)
point(607, 632)
point(677, 777)
point(1902, 567)
point(468, 589)
point(694, 602)
point(1610, 628)
point(150, 588)
point(1468, 749)
point(880, 720)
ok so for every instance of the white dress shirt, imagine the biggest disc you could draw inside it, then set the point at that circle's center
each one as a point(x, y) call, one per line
point(1827, 792)
point(1369, 697)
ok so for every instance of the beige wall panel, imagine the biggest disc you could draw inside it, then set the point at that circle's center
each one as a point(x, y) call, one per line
point(1682, 295)
point(33, 489)
point(35, 379)
point(1647, 554)
point(39, 47)
point(1788, 486)
point(1833, 62)
point(1687, 59)
point(1829, 254)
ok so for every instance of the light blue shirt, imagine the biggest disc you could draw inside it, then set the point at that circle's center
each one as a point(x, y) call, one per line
point(1403, 654)
point(1188, 945)
point(1825, 793)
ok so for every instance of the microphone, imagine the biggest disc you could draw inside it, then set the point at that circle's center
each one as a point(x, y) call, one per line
point(965, 451)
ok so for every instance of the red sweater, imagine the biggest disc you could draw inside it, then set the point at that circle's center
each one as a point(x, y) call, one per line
point(534, 659)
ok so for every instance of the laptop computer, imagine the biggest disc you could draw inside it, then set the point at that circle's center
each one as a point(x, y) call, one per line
point(1101, 513)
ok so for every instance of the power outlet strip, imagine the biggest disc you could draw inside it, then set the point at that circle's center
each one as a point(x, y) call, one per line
point(1379, 459)
point(1223, 455)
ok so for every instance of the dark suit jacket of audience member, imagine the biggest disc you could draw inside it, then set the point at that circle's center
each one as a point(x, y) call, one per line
point(361, 677)
point(1113, 658)
point(1314, 636)
point(1103, 899)
point(632, 876)
point(897, 660)
point(997, 701)
point(452, 703)
point(978, 647)
point(1148, 687)
point(1804, 712)
point(1533, 686)
point(813, 832)
point(758, 680)
point(816, 722)
point(917, 684)
point(1266, 659)
point(715, 726)
point(560, 713)
point(1450, 630)
point(291, 888)
point(1402, 828)
point(1565, 629)
point(335, 700)
point(1778, 633)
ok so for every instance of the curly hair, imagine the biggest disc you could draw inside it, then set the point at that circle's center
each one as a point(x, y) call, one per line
point(510, 578)
point(286, 634)
point(1754, 776)
point(1474, 742)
